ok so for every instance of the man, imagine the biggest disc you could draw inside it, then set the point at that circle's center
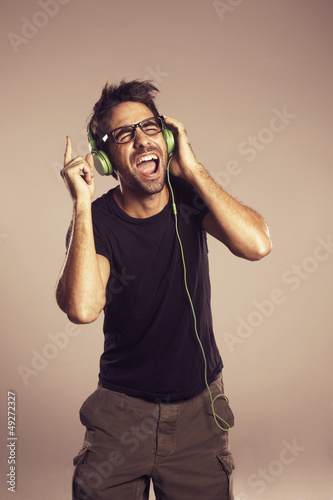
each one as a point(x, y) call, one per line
point(139, 252)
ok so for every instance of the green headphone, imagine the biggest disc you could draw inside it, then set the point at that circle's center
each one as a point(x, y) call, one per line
point(102, 162)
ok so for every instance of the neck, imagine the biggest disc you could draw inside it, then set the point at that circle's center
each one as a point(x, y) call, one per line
point(141, 205)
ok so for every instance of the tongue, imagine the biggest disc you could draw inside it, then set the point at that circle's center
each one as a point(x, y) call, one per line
point(147, 167)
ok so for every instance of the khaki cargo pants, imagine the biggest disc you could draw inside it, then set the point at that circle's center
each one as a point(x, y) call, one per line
point(131, 441)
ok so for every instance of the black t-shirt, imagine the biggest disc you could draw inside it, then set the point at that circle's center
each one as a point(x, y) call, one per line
point(150, 347)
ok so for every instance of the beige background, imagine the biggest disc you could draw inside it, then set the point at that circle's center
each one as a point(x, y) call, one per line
point(225, 69)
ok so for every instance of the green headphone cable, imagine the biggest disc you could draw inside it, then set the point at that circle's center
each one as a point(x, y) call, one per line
point(174, 208)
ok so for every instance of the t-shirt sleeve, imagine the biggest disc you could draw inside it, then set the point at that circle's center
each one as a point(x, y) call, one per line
point(100, 239)
point(190, 202)
point(100, 245)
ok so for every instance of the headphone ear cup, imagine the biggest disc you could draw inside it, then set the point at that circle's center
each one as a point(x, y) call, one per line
point(102, 163)
point(169, 139)
point(101, 160)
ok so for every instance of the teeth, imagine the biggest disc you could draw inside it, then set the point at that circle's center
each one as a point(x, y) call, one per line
point(147, 158)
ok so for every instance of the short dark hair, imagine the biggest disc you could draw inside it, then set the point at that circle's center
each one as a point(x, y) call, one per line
point(112, 94)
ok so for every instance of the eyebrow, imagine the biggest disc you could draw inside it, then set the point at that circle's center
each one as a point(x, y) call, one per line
point(117, 131)
point(132, 124)
point(124, 126)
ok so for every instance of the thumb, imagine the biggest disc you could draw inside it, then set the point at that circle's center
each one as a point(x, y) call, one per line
point(89, 171)
point(90, 160)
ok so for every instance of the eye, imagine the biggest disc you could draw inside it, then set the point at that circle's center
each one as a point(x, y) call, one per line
point(124, 134)
point(151, 126)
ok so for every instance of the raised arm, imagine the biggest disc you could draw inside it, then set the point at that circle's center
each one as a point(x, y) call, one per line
point(239, 227)
point(82, 283)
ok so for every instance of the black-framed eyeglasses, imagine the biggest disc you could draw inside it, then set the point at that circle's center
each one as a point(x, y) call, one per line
point(127, 133)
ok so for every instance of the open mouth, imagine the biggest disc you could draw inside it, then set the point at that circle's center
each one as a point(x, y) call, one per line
point(148, 164)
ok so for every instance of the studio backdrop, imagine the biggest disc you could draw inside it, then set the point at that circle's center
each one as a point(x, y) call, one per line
point(252, 82)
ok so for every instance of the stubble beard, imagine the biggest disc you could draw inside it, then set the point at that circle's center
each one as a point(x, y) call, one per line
point(150, 187)
point(146, 186)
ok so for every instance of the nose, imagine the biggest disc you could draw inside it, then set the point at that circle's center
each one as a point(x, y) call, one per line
point(141, 139)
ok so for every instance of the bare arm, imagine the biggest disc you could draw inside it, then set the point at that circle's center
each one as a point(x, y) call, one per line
point(239, 227)
point(82, 283)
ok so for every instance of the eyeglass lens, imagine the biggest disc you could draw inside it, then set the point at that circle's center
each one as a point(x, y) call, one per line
point(150, 126)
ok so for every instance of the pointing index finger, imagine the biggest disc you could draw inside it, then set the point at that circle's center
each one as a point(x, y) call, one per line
point(68, 151)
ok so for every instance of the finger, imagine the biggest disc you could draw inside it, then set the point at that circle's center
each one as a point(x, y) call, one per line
point(90, 160)
point(75, 167)
point(87, 175)
point(172, 121)
point(89, 172)
point(68, 151)
point(175, 126)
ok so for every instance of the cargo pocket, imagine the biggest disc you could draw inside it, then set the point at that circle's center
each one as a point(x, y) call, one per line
point(227, 466)
point(81, 457)
point(88, 408)
point(223, 412)
point(79, 490)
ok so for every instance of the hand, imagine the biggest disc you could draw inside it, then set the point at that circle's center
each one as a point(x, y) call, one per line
point(183, 163)
point(78, 174)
